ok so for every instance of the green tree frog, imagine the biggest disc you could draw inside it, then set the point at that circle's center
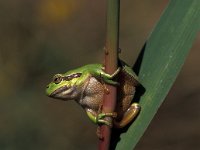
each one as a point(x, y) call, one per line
point(87, 86)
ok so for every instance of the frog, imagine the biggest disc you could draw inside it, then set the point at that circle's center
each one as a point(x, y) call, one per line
point(87, 86)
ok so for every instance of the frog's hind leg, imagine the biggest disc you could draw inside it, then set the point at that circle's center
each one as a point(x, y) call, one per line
point(129, 115)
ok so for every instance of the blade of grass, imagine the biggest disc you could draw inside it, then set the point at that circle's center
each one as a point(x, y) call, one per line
point(163, 58)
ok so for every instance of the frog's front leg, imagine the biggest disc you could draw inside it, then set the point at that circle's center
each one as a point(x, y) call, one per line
point(129, 115)
point(108, 78)
point(99, 118)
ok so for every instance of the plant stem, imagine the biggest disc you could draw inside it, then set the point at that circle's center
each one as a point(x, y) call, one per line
point(111, 57)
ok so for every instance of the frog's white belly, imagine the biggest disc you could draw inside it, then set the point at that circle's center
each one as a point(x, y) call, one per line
point(92, 94)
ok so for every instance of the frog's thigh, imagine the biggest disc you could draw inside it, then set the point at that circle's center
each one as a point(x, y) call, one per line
point(129, 115)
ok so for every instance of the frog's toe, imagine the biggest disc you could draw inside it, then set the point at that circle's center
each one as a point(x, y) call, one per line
point(136, 106)
point(111, 114)
point(105, 122)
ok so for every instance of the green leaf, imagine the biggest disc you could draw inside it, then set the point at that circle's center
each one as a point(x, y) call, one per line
point(164, 55)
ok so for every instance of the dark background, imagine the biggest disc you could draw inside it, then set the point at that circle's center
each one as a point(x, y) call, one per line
point(39, 38)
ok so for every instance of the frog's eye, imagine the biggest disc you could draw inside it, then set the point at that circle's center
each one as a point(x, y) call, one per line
point(57, 79)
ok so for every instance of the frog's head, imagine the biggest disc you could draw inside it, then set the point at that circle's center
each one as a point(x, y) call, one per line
point(63, 87)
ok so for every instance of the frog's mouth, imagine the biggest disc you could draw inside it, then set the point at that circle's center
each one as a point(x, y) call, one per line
point(63, 93)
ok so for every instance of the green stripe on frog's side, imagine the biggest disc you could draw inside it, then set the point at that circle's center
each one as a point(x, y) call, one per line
point(86, 85)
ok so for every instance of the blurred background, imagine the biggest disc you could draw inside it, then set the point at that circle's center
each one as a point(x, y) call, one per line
point(39, 38)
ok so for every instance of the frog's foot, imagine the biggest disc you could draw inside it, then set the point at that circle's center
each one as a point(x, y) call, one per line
point(100, 119)
point(116, 72)
point(129, 115)
point(107, 78)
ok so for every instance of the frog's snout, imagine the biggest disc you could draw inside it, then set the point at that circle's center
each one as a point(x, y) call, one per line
point(47, 86)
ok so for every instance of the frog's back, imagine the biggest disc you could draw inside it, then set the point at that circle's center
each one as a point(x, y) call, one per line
point(86, 68)
point(93, 67)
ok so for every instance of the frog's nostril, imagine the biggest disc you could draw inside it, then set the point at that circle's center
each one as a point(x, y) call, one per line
point(47, 86)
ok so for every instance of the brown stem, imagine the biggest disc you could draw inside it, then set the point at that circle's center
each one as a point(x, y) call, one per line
point(111, 57)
